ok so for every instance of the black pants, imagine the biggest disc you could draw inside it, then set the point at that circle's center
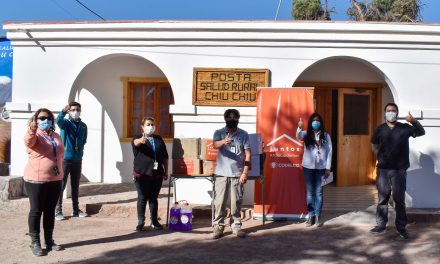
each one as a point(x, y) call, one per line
point(395, 181)
point(148, 189)
point(72, 167)
point(43, 199)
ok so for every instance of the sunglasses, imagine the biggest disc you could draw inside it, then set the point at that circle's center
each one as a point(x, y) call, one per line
point(42, 118)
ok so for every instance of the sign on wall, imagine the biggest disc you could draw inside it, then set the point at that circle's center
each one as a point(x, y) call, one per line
point(227, 86)
point(6, 54)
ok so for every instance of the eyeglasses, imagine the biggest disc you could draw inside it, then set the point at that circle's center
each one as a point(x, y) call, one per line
point(42, 118)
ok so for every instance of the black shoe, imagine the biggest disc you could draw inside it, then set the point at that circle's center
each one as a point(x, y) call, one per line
point(140, 228)
point(53, 246)
point(318, 222)
point(310, 221)
point(403, 233)
point(156, 226)
point(377, 230)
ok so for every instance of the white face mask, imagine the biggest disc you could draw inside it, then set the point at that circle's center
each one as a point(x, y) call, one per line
point(75, 114)
point(149, 130)
point(391, 116)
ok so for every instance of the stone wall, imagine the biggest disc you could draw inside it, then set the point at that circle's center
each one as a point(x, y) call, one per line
point(11, 187)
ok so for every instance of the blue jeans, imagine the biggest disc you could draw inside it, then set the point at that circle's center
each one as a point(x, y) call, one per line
point(314, 197)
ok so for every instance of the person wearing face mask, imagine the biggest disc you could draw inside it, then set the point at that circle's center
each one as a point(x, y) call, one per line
point(74, 135)
point(316, 164)
point(150, 168)
point(42, 178)
point(390, 142)
point(231, 173)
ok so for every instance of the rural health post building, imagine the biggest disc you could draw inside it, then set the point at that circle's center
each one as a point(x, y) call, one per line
point(120, 70)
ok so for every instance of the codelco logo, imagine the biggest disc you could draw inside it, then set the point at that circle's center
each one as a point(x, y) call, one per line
point(284, 165)
point(296, 147)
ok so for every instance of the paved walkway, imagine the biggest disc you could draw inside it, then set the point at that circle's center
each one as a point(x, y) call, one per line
point(108, 237)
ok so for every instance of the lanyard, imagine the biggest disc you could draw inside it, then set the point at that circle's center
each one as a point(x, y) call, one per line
point(54, 145)
point(76, 129)
point(154, 146)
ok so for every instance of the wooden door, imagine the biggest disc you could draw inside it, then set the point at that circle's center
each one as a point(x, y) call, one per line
point(356, 119)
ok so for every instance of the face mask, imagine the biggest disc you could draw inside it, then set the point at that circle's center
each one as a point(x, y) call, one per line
point(149, 129)
point(44, 124)
point(316, 125)
point(391, 116)
point(75, 114)
point(232, 123)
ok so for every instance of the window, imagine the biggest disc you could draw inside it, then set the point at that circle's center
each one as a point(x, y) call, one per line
point(147, 97)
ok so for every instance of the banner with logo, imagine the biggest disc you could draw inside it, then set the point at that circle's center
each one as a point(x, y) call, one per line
point(278, 113)
point(5, 71)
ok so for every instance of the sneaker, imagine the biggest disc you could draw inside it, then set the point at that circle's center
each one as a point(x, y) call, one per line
point(403, 233)
point(140, 228)
point(156, 226)
point(79, 214)
point(59, 217)
point(310, 221)
point(377, 230)
point(216, 233)
point(318, 223)
point(238, 233)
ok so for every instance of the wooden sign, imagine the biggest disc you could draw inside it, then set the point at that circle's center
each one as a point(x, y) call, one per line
point(228, 87)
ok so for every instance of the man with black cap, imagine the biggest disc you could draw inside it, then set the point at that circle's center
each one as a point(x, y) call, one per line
point(231, 172)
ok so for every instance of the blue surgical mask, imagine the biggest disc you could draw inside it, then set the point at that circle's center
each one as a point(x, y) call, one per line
point(44, 124)
point(316, 125)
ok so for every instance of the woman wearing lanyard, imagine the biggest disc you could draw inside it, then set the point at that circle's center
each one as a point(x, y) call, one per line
point(150, 168)
point(317, 161)
point(42, 177)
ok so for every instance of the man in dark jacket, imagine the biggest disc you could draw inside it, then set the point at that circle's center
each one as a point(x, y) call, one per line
point(390, 142)
point(74, 136)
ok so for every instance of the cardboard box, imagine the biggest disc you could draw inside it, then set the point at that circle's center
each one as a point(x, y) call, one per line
point(256, 144)
point(207, 150)
point(186, 148)
point(186, 166)
point(208, 167)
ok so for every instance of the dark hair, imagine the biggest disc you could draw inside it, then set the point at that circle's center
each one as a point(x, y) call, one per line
point(231, 111)
point(51, 116)
point(75, 104)
point(310, 136)
point(147, 118)
point(392, 104)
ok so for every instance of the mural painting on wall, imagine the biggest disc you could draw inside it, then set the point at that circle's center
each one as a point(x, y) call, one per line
point(6, 54)
point(228, 86)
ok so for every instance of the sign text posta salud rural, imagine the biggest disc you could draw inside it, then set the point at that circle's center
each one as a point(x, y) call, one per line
point(228, 87)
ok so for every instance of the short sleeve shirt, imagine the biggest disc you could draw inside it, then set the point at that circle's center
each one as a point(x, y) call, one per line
point(393, 146)
point(230, 158)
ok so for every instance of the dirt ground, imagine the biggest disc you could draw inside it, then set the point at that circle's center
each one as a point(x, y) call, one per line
point(111, 239)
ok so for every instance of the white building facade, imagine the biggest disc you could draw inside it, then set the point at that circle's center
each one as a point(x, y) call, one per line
point(55, 63)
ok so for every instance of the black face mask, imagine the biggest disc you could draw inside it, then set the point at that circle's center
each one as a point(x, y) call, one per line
point(232, 123)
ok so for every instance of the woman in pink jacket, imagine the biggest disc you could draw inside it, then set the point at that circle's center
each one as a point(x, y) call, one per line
point(42, 176)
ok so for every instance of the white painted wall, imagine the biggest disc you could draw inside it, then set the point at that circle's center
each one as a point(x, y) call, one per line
point(405, 57)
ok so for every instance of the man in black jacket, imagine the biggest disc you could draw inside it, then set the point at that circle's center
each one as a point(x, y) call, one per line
point(390, 142)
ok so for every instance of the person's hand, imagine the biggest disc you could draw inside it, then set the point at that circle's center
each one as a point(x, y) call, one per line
point(142, 140)
point(227, 139)
point(66, 108)
point(243, 178)
point(33, 124)
point(409, 118)
point(300, 123)
point(165, 176)
point(326, 173)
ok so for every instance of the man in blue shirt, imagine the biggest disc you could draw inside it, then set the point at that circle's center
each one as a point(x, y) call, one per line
point(74, 136)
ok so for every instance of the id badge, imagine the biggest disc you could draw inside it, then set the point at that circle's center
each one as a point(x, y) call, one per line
point(155, 165)
point(233, 149)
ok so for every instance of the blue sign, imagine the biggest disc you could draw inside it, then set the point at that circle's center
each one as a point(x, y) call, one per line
point(6, 54)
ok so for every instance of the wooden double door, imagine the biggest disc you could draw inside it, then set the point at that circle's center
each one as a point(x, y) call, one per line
point(350, 116)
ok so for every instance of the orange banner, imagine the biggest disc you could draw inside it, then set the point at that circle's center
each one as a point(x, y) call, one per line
point(278, 113)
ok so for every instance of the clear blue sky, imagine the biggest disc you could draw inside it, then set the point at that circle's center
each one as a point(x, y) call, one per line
point(53, 10)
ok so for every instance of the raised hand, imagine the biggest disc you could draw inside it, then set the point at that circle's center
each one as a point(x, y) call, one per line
point(228, 139)
point(409, 118)
point(300, 123)
point(33, 124)
point(66, 108)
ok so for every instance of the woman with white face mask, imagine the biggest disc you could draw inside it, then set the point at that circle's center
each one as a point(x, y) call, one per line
point(150, 168)
point(316, 164)
point(42, 178)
